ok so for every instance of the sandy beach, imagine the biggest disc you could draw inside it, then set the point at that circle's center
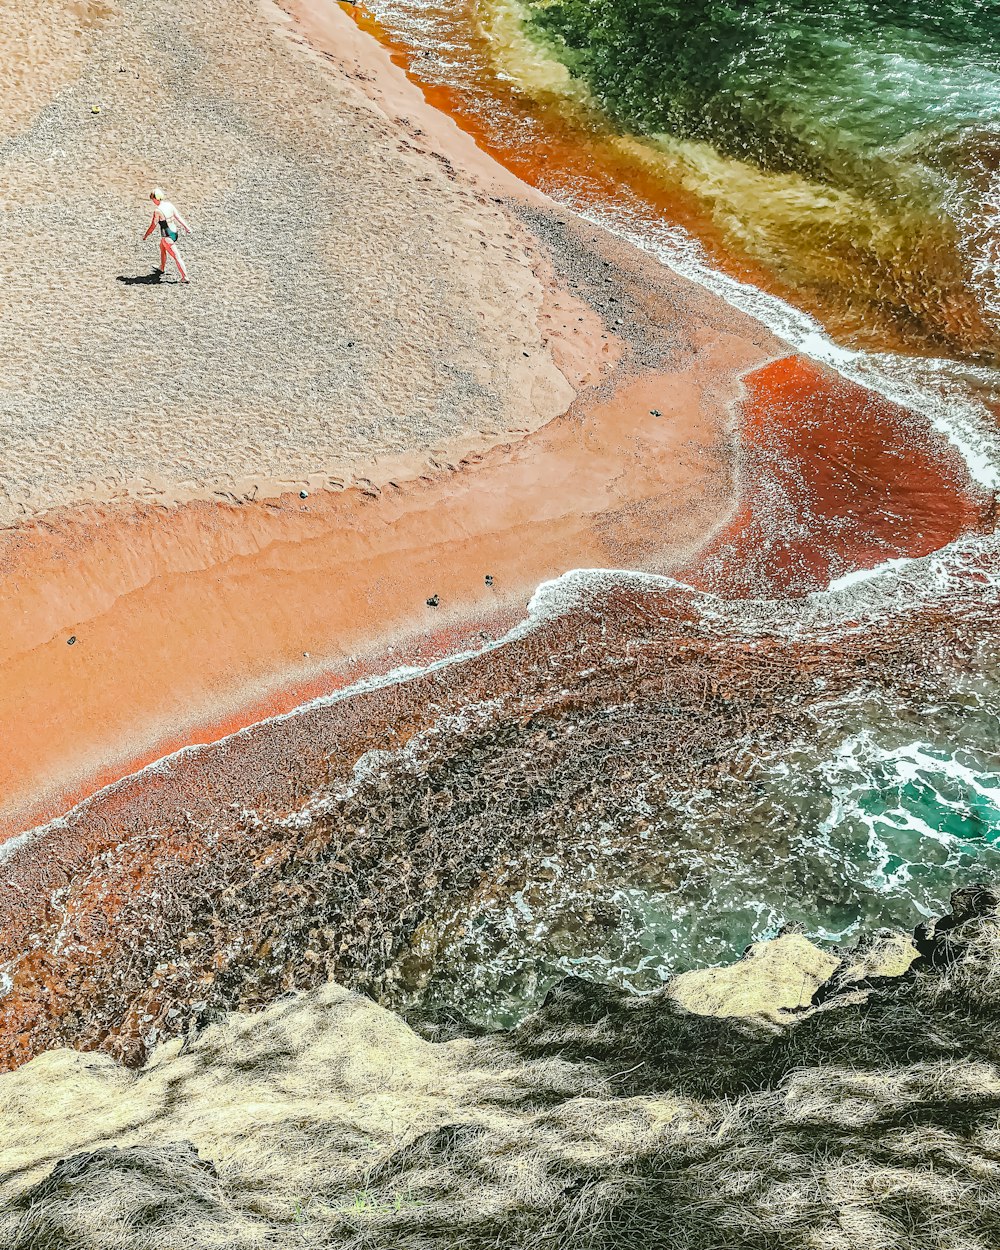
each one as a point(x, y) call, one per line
point(222, 493)
point(351, 302)
point(433, 645)
point(497, 747)
point(402, 389)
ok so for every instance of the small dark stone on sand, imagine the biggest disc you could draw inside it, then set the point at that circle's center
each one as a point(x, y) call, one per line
point(70, 640)
point(655, 412)
point(433, 601)
point(303, 494)
point(489, 579)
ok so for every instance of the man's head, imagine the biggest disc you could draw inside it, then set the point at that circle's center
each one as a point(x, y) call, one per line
point(156, 195)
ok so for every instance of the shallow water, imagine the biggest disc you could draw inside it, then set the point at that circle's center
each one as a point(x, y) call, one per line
point(887, 114)
point(637, 779)
point(848, 156)
point(869, 824)
point(836, 172)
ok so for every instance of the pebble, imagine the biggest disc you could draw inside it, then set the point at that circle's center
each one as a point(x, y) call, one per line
point(433, 601)
point(70, 640)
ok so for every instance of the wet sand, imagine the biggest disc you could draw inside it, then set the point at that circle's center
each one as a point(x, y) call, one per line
point(193, 621)
point(187, 624)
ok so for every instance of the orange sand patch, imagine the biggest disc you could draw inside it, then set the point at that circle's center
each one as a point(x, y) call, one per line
point(191, 622)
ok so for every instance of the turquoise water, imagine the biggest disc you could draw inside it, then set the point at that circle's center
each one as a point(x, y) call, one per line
point(871, 823)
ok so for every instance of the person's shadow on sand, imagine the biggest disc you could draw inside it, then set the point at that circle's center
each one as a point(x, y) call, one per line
point(141, 279)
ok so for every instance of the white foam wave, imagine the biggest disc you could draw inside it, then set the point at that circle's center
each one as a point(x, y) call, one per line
point(859, 576)
point(933, 388)
point(540, 609)
point(898, 586)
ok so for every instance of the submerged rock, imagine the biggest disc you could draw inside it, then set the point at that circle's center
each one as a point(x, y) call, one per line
point(771, 978)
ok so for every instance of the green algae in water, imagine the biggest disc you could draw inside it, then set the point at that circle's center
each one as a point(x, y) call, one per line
point(854, 149)
point(820, 89)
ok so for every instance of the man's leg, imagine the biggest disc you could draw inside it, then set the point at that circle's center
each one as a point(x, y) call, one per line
point(163, 255)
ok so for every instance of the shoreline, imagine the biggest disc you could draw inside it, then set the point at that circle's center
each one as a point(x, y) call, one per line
point(206, 860)
point(506, 86)
point(251, 596)
point(196, 619)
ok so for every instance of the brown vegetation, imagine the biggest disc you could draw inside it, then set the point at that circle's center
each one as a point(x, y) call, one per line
point(604, 1122)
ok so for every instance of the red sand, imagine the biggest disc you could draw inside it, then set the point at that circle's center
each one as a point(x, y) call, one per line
point(191, 622)
point(833, 478)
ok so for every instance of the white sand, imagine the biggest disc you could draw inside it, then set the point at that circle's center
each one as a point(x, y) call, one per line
point(351, 298)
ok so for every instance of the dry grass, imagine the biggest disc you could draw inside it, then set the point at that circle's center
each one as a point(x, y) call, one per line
point(603, 1121)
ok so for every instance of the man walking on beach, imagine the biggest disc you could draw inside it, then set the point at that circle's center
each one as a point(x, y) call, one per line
point(167, 218)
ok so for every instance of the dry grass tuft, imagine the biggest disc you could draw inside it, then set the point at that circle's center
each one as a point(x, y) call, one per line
point(868, 1121)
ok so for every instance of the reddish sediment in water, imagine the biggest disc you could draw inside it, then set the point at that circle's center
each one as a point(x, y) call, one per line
point(833, 478)
point(551, 144)
point(175, 900)
point(190, 623)
point(553, 151)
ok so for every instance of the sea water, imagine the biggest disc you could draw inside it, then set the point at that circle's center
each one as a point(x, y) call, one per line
point(835, 171)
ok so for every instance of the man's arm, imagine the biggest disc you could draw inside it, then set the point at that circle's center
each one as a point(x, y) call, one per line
point(178, 217)
point(152, 227)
